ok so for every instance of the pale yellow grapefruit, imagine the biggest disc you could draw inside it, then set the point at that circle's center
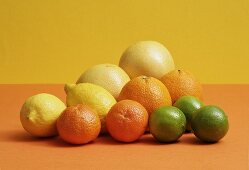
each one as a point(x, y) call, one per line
point(148, 58)
point(109, 76)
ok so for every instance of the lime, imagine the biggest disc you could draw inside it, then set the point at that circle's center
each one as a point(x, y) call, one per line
point(167, 124)
point(188, 105)
point(39, 114)
point(210, 123)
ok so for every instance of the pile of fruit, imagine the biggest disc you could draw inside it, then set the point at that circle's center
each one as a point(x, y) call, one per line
point(145, 93)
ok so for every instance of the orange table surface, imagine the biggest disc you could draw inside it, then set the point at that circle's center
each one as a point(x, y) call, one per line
point(18, 150)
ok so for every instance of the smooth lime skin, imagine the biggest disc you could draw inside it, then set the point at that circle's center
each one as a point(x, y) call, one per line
point(188, 105)
point(210, 123)
point(167, 124)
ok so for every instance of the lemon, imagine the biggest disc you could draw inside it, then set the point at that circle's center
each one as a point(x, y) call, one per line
point(39, 113)
point(109, 76)
point(148, 58)
point(92, 95)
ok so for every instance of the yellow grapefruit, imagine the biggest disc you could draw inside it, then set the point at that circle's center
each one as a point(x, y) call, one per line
point(148, 58)
point(109, 76)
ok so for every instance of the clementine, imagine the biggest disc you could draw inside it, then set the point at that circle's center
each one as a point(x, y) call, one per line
point(127, 121)
point(78, 124)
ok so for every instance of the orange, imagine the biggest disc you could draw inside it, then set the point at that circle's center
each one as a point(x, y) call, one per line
point(148, 91)
point(182, 83)
point(78, 124)
point(127, 121)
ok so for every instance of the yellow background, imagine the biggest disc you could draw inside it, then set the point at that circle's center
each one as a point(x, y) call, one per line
point(50, 41)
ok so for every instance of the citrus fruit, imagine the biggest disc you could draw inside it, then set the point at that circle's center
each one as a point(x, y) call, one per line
point(210, 123)
point(182, 83)
point(39, 113)
point(78, 124)
point(127, 121)
point(109, 76)
point(167, 124)
point(188, 105)
point(149, 58)
point(92, 95)
point(148, 91)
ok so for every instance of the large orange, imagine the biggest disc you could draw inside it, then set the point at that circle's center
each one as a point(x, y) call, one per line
point(78, 124)
point(127, 121)
point(148, 91)
point(182, 83)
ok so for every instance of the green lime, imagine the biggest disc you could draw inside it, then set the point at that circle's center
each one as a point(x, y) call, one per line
point(188, 105)
point(210, 123)
point(167, 124)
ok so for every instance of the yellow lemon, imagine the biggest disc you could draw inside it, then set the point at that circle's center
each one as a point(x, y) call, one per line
point(39, 114)
point(148, 58)
point(109, 76)
point(92, 95)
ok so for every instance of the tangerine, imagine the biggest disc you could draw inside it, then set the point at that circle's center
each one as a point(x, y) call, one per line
point(127, 121)
point(79, 124)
